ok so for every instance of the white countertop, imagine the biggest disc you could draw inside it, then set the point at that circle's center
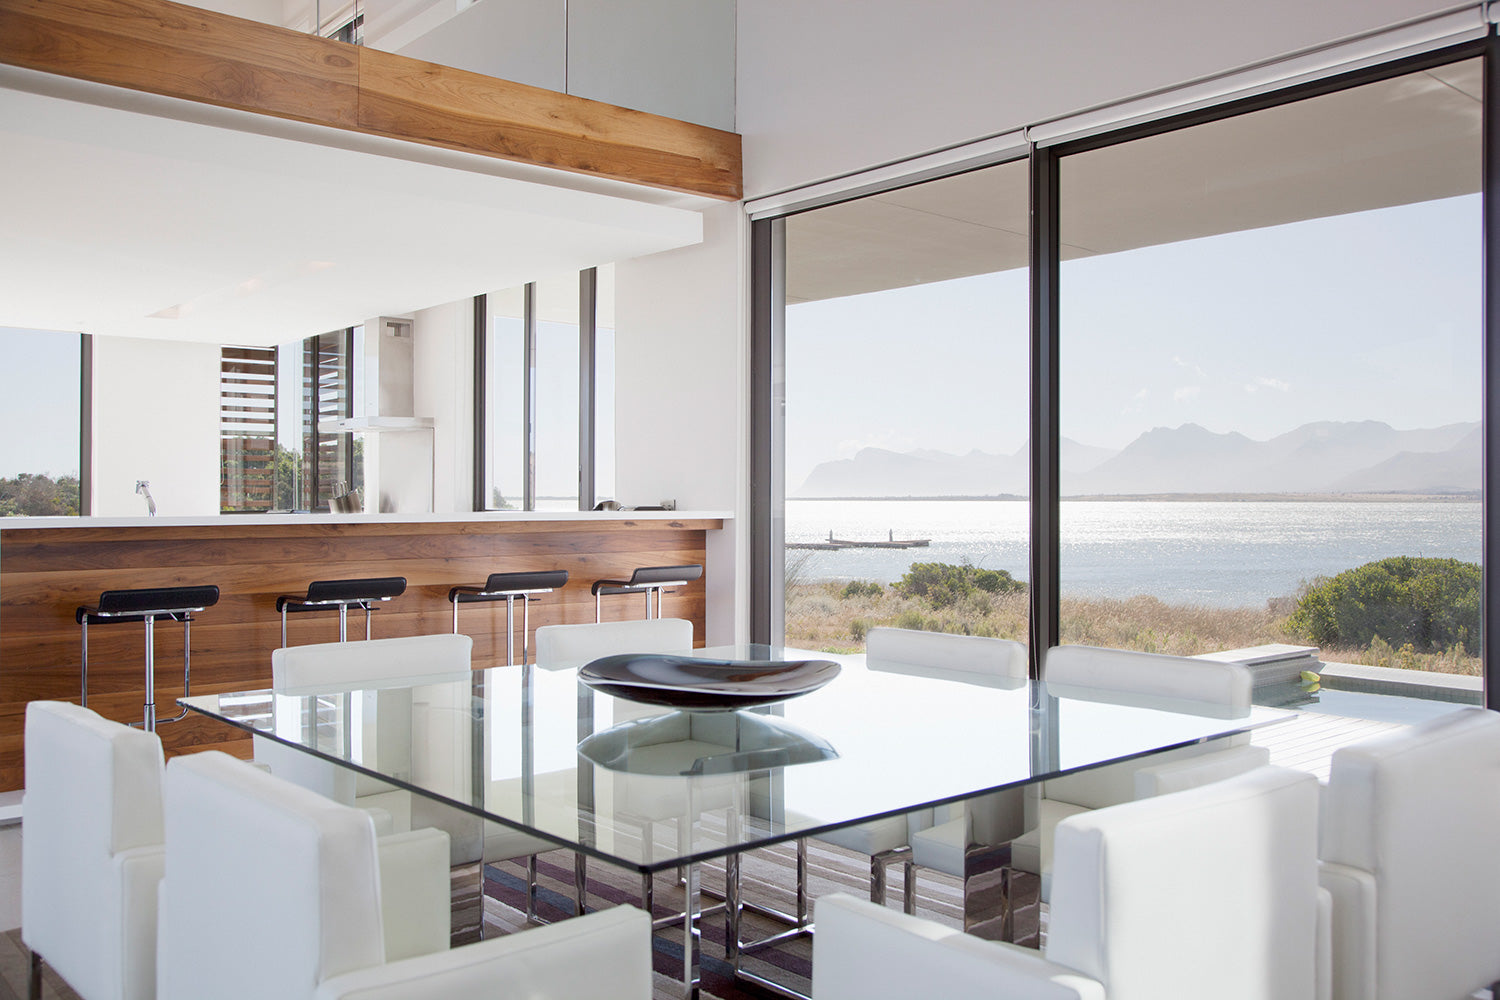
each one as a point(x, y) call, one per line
point(211, 520)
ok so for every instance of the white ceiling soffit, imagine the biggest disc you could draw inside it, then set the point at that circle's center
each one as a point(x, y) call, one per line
point(1405, 140)
point(1387, 45)
point(124, 223)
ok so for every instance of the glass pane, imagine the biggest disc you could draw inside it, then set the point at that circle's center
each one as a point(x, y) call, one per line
point(604, 389)
point(326, 379)
point(1271, 390)
point(906, 412)
point(247, 428)
point(505, 387)
point(557, 394)
point(39, 391)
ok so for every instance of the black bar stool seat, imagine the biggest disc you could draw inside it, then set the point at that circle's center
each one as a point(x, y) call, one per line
point(645, 580)
point(146, 604)
point(341, 594)
point(510, 587)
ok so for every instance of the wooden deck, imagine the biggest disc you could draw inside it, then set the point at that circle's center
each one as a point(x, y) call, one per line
point(1307, 742)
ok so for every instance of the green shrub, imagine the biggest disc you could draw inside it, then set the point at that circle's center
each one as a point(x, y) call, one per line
point(1429, 605)
point(858, 629)
point(862, 588)
point(941, 584)
point(910, 619)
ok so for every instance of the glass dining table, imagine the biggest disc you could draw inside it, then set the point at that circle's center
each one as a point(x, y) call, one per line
point(536, 749)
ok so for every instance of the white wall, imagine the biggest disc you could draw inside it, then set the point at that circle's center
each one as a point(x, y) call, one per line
point(669, 57)
point(156, 417)
point(822, 93)
point(443, 372)
point(681, 388)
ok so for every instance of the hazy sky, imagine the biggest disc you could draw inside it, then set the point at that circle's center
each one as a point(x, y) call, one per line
point(39, 402)
point(1374, 315)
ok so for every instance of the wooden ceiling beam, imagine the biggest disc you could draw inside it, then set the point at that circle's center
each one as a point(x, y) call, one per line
point(185, 52)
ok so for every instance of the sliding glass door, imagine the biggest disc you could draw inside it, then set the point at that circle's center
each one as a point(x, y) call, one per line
point(1270, 390)
point(905, 436)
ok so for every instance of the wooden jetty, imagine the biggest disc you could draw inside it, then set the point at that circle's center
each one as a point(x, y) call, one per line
point(849, 543)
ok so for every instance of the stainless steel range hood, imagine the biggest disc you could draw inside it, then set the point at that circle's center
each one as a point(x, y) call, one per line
point(389, 371)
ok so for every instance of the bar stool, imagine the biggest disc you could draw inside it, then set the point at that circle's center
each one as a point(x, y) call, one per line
point(341, 594)
point(509, 587)
point(146, 604)
point(645, 580)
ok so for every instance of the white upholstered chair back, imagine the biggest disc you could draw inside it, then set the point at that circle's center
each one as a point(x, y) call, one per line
point(1408, 849)
point(575, 645)
point(259, 867)
point(330, 666)
point(937, 653)
point(1128, 671)
point(91, 850)
point(1207, 892)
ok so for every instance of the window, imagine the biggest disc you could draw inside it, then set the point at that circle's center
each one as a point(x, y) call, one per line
point(1270, 380)
point(42, 397)
point(247, 429)
point(906, 419)
point(533, 423)
point(274, 451)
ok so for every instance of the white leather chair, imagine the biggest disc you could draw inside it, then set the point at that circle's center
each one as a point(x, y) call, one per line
point(91, 851)
point(384, 668)
point(1094, 673)
point(647, 800)
point(331, 666)
point(274, 891)
point(964, 658)
point(1410, 822)
point(1210, 892)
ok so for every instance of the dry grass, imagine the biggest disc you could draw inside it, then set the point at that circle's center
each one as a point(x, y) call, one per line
point(819, 616)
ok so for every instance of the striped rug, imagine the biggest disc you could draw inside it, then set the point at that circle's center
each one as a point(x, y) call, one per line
point(768, 877)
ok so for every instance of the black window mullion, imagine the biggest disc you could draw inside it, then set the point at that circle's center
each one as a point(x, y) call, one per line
point(1490, 375)
point(1045, 263)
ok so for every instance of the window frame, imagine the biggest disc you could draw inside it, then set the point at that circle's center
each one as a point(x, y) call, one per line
point(767, 345)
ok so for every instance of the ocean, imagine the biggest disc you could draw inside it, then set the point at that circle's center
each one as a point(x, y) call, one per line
point(1225, 553)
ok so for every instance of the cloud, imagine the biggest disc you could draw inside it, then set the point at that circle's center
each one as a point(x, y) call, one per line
point(1185, 393)
point(1262, 382)
point(1190, 366)
point(1142, 394)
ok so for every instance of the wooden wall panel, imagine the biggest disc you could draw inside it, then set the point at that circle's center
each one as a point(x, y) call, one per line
point(45, 573)
point(185, 52)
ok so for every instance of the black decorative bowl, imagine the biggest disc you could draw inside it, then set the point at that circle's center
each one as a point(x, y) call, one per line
point(705, 685)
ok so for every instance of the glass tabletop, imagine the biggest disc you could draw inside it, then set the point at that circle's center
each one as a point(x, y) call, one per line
point(648, 786)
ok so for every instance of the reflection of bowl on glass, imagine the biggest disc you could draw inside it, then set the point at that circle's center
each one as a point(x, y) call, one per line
point(705, 685)
point(697, 743)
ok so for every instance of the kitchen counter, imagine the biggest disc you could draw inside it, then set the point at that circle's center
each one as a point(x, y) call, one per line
point(215, 520)
point(50, 566)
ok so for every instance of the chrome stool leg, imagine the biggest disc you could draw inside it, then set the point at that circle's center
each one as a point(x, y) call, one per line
point(149, 721)
point(510, 630)
point(85, 701)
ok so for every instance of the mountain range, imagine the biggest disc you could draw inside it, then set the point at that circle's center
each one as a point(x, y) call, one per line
point(1325, 457)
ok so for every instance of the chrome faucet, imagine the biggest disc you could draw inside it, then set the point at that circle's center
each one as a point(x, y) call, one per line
point(143, 488)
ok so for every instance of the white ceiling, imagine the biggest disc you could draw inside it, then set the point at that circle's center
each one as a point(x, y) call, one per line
point(125, 223)
point(1405, 140)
